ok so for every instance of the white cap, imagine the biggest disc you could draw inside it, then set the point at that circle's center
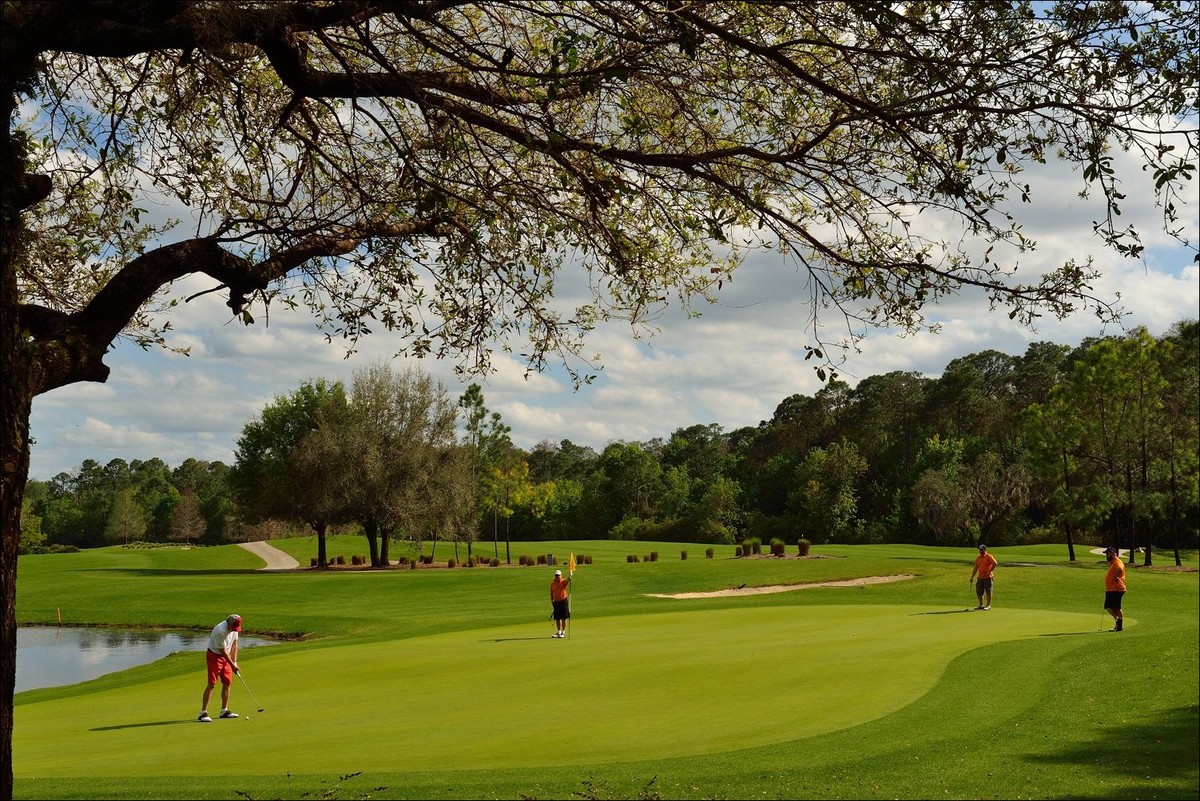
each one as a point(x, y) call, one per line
point(558, 572)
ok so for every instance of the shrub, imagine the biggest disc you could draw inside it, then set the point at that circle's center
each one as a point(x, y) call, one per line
point(541, 559)
point(778, 547)
point(339, 560)
point(1042, 535)
point(653, 556)
point(495, 561)
point(737, 550)
point(629, 528)
point(631, 558)
point(803, 546)
point(709, 553)
point(683, 556)
point(312, 562)
point(412, 564)
point(450, 562)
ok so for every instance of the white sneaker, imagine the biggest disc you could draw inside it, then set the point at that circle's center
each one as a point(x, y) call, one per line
point(986, 608)
point(204, 718)
point(225, 713)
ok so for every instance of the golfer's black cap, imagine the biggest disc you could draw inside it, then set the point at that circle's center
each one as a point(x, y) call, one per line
point(982, 547)
point(1110, 550)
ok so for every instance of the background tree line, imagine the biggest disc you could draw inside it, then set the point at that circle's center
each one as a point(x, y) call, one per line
point(1093, 444)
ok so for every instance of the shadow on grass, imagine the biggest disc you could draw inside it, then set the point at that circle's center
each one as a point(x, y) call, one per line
point(1164, 747)
point(945, 612)
point(515, 639)
point(143, 725)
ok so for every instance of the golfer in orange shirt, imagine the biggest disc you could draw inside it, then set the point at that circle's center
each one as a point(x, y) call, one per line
point(1114, 588)
point(985, 566)
point(559, 590)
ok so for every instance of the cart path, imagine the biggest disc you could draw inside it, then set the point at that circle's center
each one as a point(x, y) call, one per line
point(275, 558)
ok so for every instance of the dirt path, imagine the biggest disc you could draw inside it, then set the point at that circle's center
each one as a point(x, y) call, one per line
point(744, 590)
point(275, 558)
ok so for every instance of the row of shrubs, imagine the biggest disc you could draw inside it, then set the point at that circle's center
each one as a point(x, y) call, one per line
point(751, 547)
point(55, 548)
point(709, 553)
point(471, 561)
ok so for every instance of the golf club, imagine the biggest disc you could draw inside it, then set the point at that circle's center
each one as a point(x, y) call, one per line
point(247, 686)
point(1102, 611)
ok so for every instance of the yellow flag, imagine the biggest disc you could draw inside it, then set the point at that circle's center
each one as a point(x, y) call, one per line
point(571, 565)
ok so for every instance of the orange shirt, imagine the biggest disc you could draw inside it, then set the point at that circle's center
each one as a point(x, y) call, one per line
point(985, 563)
point(558, 589)
point(1114, 579)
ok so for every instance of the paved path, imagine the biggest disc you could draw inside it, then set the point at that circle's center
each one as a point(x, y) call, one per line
point(275, 558)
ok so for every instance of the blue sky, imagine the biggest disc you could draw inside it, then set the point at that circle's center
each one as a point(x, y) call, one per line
point(730, 366)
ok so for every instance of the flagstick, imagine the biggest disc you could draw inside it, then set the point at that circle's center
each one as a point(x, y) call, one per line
point(570, 591)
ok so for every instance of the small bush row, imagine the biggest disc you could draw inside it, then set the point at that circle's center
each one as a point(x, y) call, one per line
point(753, 546)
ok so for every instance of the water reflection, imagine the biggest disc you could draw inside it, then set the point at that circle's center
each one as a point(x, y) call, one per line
point(52, 656)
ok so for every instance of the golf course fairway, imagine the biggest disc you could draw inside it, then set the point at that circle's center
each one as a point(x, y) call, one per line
point(620, 687)
point(853, 672)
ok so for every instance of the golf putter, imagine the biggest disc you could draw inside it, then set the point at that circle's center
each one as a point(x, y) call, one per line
point(247, 686)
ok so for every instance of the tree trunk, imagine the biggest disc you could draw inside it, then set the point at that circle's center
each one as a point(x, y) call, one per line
point(371, 529)
point(1067, 493)
point(1132, 516)
point(322, 554)
point(1175, 514)
point(16, 401)
point(385, 551)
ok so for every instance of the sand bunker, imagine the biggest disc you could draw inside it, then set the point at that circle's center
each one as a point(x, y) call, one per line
point(744, 590)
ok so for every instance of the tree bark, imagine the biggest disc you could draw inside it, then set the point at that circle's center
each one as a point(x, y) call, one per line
point(16, 402)
point(18, 190)
point(322, 554)
point(371, 529)
point(385, 551)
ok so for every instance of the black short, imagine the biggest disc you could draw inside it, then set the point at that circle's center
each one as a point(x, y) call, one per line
point(562, 609)
point(1112, 600)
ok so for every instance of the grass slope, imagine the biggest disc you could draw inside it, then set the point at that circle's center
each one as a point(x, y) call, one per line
point(438, 683)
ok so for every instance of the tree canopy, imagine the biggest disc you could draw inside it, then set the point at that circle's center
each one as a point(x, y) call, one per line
point(452, 171)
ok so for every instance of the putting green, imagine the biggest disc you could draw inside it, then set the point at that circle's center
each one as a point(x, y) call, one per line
point(619, 689)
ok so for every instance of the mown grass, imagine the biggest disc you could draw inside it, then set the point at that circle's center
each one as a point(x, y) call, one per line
point(437, 683)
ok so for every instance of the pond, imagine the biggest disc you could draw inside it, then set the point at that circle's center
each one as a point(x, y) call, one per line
point(52, 656)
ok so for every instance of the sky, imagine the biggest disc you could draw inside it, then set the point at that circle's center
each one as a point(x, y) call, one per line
point(730, 366)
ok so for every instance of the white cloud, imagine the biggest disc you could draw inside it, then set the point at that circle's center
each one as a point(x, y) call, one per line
point(731, 365)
